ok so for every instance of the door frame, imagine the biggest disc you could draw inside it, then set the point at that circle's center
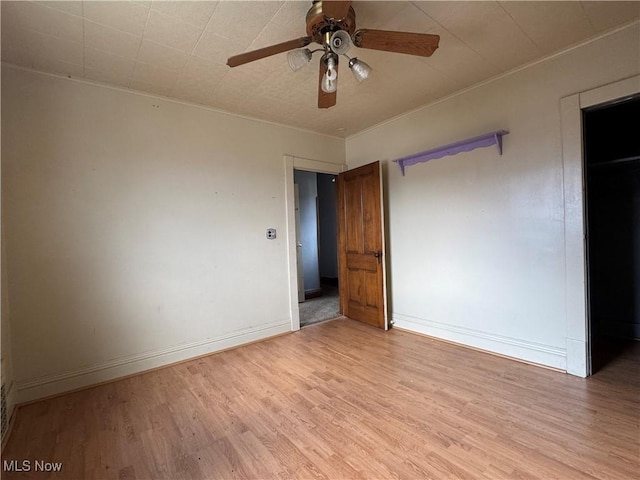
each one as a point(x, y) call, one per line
point(299, 266)
point(578, 333)
point(292, 163)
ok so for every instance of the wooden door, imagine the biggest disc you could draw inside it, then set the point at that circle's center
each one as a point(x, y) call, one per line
point(361, 246)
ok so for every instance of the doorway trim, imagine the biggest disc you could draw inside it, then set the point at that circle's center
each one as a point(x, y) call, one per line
point(578, 348)
point(292, 163)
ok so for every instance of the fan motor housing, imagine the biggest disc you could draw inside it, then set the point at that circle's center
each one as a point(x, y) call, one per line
point(318, 24)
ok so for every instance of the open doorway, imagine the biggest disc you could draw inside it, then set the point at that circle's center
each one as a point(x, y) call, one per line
point(612, 181)
point(316, 245)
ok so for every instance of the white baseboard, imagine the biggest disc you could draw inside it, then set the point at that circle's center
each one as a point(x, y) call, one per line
point(531, 352)
point(577, 355)
point(42, 387)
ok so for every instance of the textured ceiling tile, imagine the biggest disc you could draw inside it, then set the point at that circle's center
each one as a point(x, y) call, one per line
point(486, 28)
point(272, 33)
point(58, 50)
point(234, 86)
point(101, 37)
point(13, 35)
point(72, 7)
point(478, 40)
point(226, 97)
point(379, 79)
point(18, 44)
point(444, 12)
point(297, 88)
point(242, 21)
point(217, 49)
point(387, 69)
point(241, 80)
point(17, 55)
point(409, 19)
point(171, 32)
point(307, 118)
point(347, 83)
point(109, 65)
point(161, 56)
point(606, 15)
point(152, 75)
point(551, 25)
point(206, 71)
point(279, 84)
point(127, 16)
point(194, 12)
point(110, 77)
point(200, 78)
point(308, 75)
point(40, 18)
point(375, 14)
point(417, 84)
point(42, 52)
point(459, 62)
point(292, 16)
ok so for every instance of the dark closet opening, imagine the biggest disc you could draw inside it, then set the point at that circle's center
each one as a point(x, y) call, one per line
point(612, 183)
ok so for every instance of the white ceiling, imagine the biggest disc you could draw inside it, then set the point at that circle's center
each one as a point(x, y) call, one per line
point(179, 49)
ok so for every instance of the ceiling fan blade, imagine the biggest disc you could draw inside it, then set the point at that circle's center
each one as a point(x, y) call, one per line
point(325, 100)
point(335, 9)
point(422, 44)
point(268, 51)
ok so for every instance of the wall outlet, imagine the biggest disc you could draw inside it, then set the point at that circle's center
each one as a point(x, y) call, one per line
point(271, 233)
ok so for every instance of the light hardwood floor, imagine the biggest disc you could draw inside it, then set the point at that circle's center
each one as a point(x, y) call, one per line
point(342, 400)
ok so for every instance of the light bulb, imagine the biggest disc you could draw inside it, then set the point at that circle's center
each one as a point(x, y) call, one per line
point(359, 69)
point(330, 78)
point(298, 58)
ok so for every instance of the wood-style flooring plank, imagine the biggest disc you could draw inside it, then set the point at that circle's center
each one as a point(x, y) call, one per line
point(341, 400)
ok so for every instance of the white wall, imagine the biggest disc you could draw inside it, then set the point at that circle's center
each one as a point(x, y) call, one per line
point(6, 367)
point(476, 241)
point(135, 229)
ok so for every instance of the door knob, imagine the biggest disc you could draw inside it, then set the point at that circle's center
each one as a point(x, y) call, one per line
point(299, 245)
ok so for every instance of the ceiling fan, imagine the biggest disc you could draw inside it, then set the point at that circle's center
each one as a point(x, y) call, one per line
point(332, 24)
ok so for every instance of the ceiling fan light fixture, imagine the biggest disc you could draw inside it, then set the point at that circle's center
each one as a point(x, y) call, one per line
point(332, 25)
point(340, 42)
point(360, 69)
point(298, 58)
point(330, 78)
